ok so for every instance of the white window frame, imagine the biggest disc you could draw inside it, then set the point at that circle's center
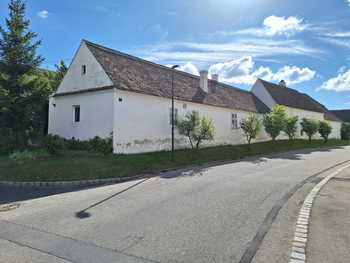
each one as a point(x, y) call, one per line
point(234, 121)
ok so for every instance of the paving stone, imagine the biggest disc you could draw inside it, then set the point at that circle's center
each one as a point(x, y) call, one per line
point(296, 255)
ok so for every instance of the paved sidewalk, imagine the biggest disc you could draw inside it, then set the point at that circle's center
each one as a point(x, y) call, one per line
point(329, 239)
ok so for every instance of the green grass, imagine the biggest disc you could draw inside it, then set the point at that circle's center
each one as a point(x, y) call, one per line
point(76, 165)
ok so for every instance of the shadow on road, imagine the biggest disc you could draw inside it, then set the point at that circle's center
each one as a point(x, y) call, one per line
point(10, 194)
point(84, 214)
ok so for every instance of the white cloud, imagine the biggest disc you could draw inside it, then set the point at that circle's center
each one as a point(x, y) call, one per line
point(180, 52)
point(293, 74)
point(243, 71)
point(43, 14)
point(189, 68)
point(275, 25)
point(338, 83)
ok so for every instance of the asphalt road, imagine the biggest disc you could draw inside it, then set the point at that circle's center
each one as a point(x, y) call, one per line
point(203, 215)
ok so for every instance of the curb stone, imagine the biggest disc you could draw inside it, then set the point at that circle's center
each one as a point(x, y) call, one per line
point(106, 181)
point(80, 183)
point(298, 254)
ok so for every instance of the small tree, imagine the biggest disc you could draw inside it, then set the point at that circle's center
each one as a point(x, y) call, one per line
point(275, 121)
point(251, 127)
point(310, 127)
point(205, 131)
point(291, 127)
point(324, 129)
point(196, 129)
point(345, 131)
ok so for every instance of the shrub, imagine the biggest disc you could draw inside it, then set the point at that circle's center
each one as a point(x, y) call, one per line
point(251, 127)
point(310, 127)
point(324, 129)
point(275, 121)
point(345, 131)
point(291, 127)
point(98, 144)
point(196, 129)
point(7, 141)
point(77, 145)
point(22, 156)
point(54, 144)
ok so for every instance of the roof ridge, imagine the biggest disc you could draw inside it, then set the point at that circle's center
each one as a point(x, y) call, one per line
point(223, 85)
point(278, 86)
point(114, 51)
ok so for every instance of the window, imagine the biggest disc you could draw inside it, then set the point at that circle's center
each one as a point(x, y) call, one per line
point(234, 121)
point(76, 113)
point(83, 70)
point(175, 116)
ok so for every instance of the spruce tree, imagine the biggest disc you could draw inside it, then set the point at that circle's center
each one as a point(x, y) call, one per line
point(18, 61)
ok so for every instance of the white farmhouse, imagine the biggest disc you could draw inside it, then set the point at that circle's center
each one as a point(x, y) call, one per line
point(106, 92)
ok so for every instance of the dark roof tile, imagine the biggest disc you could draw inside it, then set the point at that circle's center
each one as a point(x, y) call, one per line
point(138, 75)
point(295, 99)
point(344, 115)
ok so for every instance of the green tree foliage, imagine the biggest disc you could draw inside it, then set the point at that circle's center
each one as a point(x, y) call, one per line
point(291, 127)
point(18, 62)
point(310, 127)
point(324, 129)
point(345, 131)
point(61, 70)
point(197, 129)
point(251, 127)
point(275, 121)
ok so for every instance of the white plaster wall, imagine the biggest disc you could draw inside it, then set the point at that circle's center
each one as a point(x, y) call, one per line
point(142, 123)
point(96, 115)
point(316, 116)
point(260, 92)
point(336, 130)
point(95, 75)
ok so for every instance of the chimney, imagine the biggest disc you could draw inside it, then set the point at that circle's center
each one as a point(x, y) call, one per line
point(283, 83)
point(203, 83)
point(215, 77)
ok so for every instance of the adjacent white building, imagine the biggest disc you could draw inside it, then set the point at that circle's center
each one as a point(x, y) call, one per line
point(109, 93)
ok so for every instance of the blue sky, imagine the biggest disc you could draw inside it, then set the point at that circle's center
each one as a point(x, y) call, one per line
point(307, 43)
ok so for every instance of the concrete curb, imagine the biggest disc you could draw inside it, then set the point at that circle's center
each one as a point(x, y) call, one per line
point(298, 254)
point(107, 181)
point(66, 184)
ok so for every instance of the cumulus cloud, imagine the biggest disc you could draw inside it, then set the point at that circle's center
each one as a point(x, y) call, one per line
point(189, 68)
point(43, 14)
point(243, 71)
point(273, 26)
point(338, 83)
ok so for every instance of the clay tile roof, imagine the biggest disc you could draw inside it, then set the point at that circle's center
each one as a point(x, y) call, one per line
point(344, 115)
point(290, 97)
point(137, 75)
point(295, 99)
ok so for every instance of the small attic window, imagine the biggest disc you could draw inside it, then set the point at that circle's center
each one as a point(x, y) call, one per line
point(83, 70)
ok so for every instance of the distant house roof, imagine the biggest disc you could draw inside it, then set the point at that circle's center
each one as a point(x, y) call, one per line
point(344, 115)
point(137, 75)
point(295, 99)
